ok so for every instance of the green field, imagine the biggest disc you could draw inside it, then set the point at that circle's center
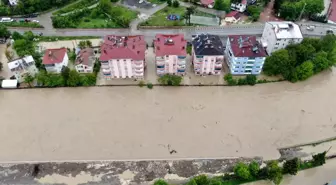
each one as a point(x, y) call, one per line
point(75, 6)
point(23, 24)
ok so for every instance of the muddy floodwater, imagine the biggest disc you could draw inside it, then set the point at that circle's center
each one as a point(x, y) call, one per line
point(108, 123)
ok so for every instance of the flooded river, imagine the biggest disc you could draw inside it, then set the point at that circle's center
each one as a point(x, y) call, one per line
point(137, 123)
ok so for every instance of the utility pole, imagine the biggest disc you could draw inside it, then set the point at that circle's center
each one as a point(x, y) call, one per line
point(304, 6)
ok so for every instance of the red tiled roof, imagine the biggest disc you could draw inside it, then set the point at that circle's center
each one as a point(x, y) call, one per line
point(242, 46)
point(244, 2)
point(53, 56)
point(118, 47)
point(332, 13)
point(170, 45)
point(207, 2)
point(84, 57)
point(234, 14)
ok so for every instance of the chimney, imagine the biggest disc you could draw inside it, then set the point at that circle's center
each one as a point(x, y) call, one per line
point(49, 53)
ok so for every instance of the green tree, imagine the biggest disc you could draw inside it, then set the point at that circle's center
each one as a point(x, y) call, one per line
point(305, 70)
point(1, 66)
point(215, 181)
point(172, 80)
point(84, 44)
point(191, 182)
point(189, 11)
point(251, 79)
point(16, 35)
point(278, 63)
point(274, 172)
point(229, 79)
point(105, 6)
point(176, 3)
point(314, 6)
point(65, 74)
point(321, 62)
point(4, 31)
point(29, 79)
point(201, 180)
point(254, 12)
point(160, 182)
point(291, 166)
point(319, 159)
point(222, 5)
point(169, 2)
point(29, 35)
point(150, 85)
point(254, 168)
point(242, 171)
point(74, 79)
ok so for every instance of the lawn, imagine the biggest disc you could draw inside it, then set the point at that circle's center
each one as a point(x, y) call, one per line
point(156, 1)
point(75, 6)
point(23, 24)
point(58, 38)
point(160, 17)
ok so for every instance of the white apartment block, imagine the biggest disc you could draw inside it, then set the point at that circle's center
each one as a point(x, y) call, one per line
point(207, 54)
point(123, 57)
point(22, 67)
point(170, 54)
point(278, 35)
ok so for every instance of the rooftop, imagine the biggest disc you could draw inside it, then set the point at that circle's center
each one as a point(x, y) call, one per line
point(286, 30)
point(205, 44)
point(53, 56)
point(170, 45)
point(246, 46)
point(85, 57)
point(332, 12)
point(207, 2)
point(20, 62)
point(118, 47)
point(234, 14)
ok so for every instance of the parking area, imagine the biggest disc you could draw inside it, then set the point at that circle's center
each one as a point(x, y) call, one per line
point(138, 4)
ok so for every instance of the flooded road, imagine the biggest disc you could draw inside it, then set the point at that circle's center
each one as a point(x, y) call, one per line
point(116, 123)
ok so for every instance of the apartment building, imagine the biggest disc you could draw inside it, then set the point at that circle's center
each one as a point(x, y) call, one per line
point(170, 54)
point(278, 35)
point(244, 55)
point(85, 60)
point(207, 54)
point(22, 66)
point(123, 57)
point(55, 60)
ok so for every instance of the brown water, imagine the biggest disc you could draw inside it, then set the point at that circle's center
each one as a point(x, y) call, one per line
point(138, 123)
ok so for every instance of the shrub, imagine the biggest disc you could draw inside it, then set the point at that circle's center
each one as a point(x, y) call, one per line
point(141, 83)
point(176, 3)
point(160, 182)
point(150, 85)
point(169, 2)
point(254, 168)
point(201, 180)
point(242, 171)
point(291, 166)
point(251, 79)
point(242, 81)
point(274, 172)
point(171, 80)
point(319, 159)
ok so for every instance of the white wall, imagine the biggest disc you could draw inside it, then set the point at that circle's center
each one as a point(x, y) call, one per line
point(124, 68)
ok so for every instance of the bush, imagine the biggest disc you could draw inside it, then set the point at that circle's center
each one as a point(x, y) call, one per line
point(291, 166)
point(150, 85)
point(251, 79)
point(160, 182)
point(176, 3)
point(141, 83)
point(169, 2)
point(242, 171)
point(171, 80)
point(254, 168)
point(274, 172)
point(319, 159)
point(201, 180)
point(242, 81)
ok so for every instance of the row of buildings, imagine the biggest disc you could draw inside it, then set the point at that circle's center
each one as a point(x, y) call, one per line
point(124, 56)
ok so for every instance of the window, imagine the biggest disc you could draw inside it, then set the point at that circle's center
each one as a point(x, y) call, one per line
point(277, 43)
point(275, 47)
point(236, 71)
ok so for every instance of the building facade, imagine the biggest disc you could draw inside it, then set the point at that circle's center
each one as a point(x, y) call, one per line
point(207, 54)
point(55, 60)
point(244, 55)
point(22, 67)
point(278, 35)
point(123, 57)
point(170, 54)
point(85, 60)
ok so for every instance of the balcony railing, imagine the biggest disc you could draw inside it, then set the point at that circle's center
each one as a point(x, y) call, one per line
point(181, 62)
point(138, 70)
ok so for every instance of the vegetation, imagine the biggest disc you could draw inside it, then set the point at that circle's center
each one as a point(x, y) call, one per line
point(291, 166)
point(189, 11)
point(319, 159)
point(291, 9)
point(22, 24)
point(84, 44)
point(31, 6)
point(222, 5)
point(301, 61)
point(4, 33)
point(254, 11)
point(105, 15)
point(1, 66)
point(56, 38)
point(274, 172)
point(142, 83)
point(176, 3)
point(29, 79)
point(160, 182)
point(149, 85)
point(242, 171)
point(248, 80)
point(170, 80)
point(75, 6)
point(254, 169)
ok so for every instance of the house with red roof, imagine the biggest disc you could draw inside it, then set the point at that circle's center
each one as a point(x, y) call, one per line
point(232, 17)
point(123, 56)
point(208, 3)
point(244, 55)
point(85, 60)
point(55, 60)
point(170, 54)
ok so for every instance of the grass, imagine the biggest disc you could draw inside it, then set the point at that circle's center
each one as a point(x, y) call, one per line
point(156, 1)
point(55, 38)
point(160, 17)
point(23, 24)
point(88, 22)
point(75, 6)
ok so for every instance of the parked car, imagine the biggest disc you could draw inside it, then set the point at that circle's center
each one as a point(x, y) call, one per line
point(33, 15)
point(35, 21)
point(6, 19)
point(330, 31)
point(310, 28)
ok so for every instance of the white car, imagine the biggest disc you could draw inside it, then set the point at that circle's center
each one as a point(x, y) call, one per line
point(310, 28)
point(6, 19)
point(35, 21)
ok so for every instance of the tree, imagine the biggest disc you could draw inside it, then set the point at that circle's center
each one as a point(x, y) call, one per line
point(74, 79)
point(278, 63)
point(150, 85)
point(16, 35)
point(169, 2)
point(222, 5)
point(192, 182)
point(215, 181)
point(254, 168)
point(105, 6)
point(321, 62)
point(305, 70)
point(189, 11)
point(176, 3)
point(84, 44)
point(314, 6)
point(291, 166)
point(168, 79)
point(160, 182)
point(251, 79)
point(4, 31)
point(29, 79)
point(65, 74)
point(242, 171)
point(274, 172)
point(254, 12)
point(319, 159)
point(201, 180)
point(29, 35)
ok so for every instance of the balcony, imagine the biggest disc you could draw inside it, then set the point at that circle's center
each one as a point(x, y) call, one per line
point(106, 72)
point(181, 62)
point(160, 72)
point(181, 67)
point(218, 69)
point(181, 71)
point(160, 62)
point(218, 65)
point(139, 70)
point(138, 62)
